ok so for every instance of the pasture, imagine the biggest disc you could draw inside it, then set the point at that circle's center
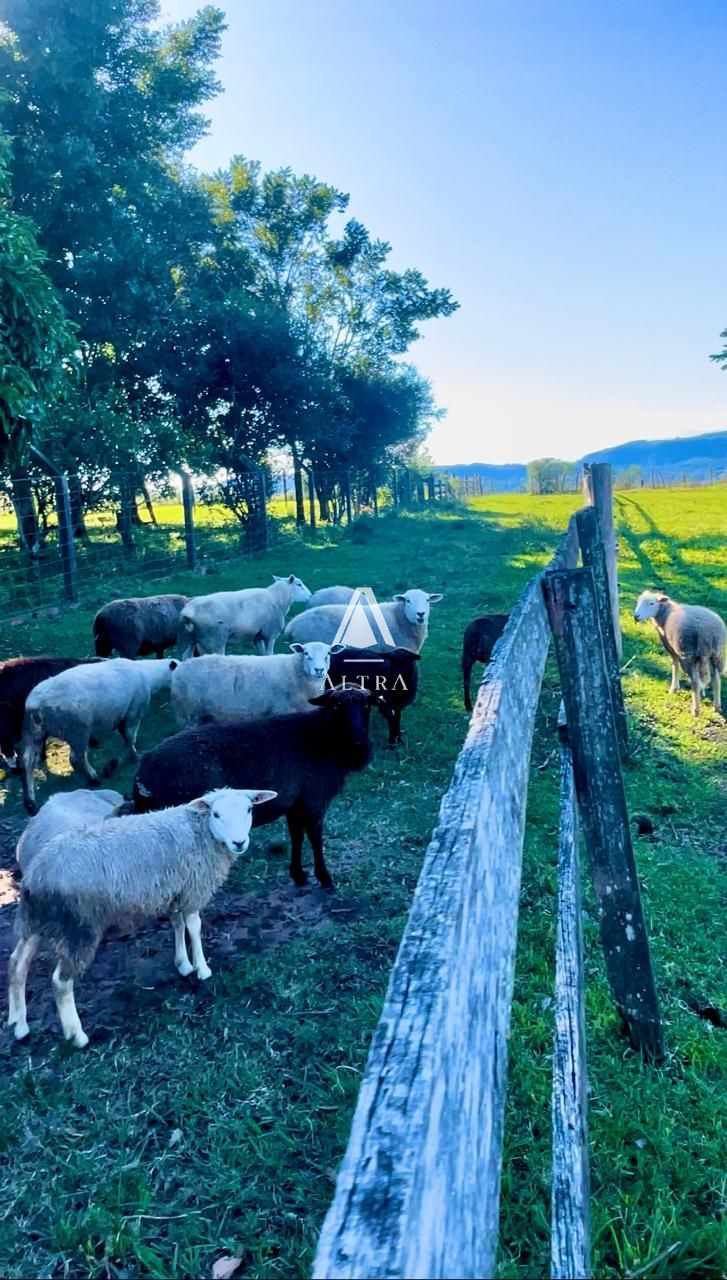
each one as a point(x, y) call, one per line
point(207, 1119)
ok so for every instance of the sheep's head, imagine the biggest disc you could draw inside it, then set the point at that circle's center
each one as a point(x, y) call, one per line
point(416, 606)
point(230, 815)
point(648, 605)
point(300, 592)
point(316, 658)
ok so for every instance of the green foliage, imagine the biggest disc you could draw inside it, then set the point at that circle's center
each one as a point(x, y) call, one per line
point(551, 475)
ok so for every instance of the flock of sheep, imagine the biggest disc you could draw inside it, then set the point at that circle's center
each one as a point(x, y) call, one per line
point(261, 736)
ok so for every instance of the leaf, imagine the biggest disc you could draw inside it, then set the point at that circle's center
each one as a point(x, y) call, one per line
point(225, 1267)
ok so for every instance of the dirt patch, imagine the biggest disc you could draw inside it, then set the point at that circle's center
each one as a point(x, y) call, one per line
point(134, 972)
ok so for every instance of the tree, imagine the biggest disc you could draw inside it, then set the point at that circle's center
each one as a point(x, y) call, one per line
point(551, 475)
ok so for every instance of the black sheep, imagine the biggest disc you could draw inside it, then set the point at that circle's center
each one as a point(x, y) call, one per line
point(392, 677)
point(305, 758)
point(17, 677)
point(480, 638)
point(138, 626)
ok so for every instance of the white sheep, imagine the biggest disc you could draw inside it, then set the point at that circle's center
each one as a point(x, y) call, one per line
point(330, 595)
point(209, 623)
point(65, 811)
point(249, 687)
point(694, 638)
point(88, 703)
point(399, 623)
point(134, 867)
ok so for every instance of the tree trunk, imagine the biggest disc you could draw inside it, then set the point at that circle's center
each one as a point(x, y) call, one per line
point(78, 520)
point(299, 495)
point(323, 489)
point(148, 503)
point(126, 512)
point(25, 513)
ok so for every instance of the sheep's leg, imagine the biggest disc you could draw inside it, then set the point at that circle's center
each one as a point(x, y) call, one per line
point(181, 957)
point(194, 929)
point(20, 962)
point(696, 690)
point(80, 760)
point(296, 828)
point(129, 733)
point(716, 688)
point(467, 666)
point(67, 1011)
point(314, 832)
point(674, 686)
point(392, 715)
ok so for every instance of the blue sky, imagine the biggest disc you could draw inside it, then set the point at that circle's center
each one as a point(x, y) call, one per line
point(558, 164)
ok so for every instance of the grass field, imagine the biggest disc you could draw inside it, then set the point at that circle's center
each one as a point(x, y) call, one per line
point(210, 1118)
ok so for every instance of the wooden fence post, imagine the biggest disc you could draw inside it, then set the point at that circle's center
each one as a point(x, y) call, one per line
point(589, 536)
point(573, 611)
point(598, 493)
point(430, 487)
point(312, 500)
point(65, 523)
point(188, 505)
point(262, 504)
point(570, 1235)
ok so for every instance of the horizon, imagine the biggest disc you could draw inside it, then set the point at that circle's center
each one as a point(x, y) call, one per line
point(552, 165)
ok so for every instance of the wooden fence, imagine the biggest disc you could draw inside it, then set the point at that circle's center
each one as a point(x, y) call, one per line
point(417, 1194)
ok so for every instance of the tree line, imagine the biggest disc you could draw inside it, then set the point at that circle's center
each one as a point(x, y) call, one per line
point(155, 319)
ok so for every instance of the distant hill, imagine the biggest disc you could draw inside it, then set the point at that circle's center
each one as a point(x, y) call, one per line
point(697, 457)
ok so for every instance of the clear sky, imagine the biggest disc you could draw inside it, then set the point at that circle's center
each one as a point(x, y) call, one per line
point(558, 164)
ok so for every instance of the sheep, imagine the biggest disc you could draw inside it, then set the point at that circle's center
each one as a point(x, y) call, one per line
point(250, 687)
point(330, 595)
point(401, 623)
point(138, 626)
point(480, 638)
point(82, 882)
point(304, 758)
point(694, 638)
point(208, 623)
point(17, 677)
point(85, 705)
point(63, 812)
point(393, 677)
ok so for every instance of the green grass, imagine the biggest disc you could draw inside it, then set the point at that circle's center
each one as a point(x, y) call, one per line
point(206, 1119)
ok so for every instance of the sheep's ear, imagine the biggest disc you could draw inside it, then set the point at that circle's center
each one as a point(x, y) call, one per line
point(200, 804)
point(173, 664)
point(398, 597)
point(291, 579)
point(435, 597)
point(261, 797)
point(662, 599)
point(296, 647)
point(338, 648)
point(277, 579)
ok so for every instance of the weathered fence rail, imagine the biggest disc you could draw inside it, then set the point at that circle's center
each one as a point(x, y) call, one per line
point(417, 1194)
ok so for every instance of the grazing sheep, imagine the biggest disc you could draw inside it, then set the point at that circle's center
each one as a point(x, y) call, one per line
point(305, 759)
point(406, 618)
point(693, 637)
point(82, 882)
point(393, 677)
point(480, 638)
point(330, 595)
point(221, 687)
point(138, 626)
point(209, 623)
point(88, 703)
point(66, 811)
point(17, 677)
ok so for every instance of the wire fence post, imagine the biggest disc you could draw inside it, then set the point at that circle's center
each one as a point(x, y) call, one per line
point(312, 500)
point(188, 504)
point(65, 537)
point(598, 493)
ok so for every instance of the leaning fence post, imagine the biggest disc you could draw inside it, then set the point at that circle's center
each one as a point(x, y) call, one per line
point(598, 493)
point(569, 1235)
point(592, 550)
point(188, 504)
point(573, 611)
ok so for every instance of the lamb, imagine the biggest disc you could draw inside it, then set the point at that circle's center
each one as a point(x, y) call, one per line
point(401, 623)
point(250, 687)
point(66, 811)
point(480, 638)
point(17, 677)
point(138, 626)
point(82, 882)
point(330, 595)
point(85, 705)
point(694, 638)
point(393, 677)
point(305, 759)
point(209, 623)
